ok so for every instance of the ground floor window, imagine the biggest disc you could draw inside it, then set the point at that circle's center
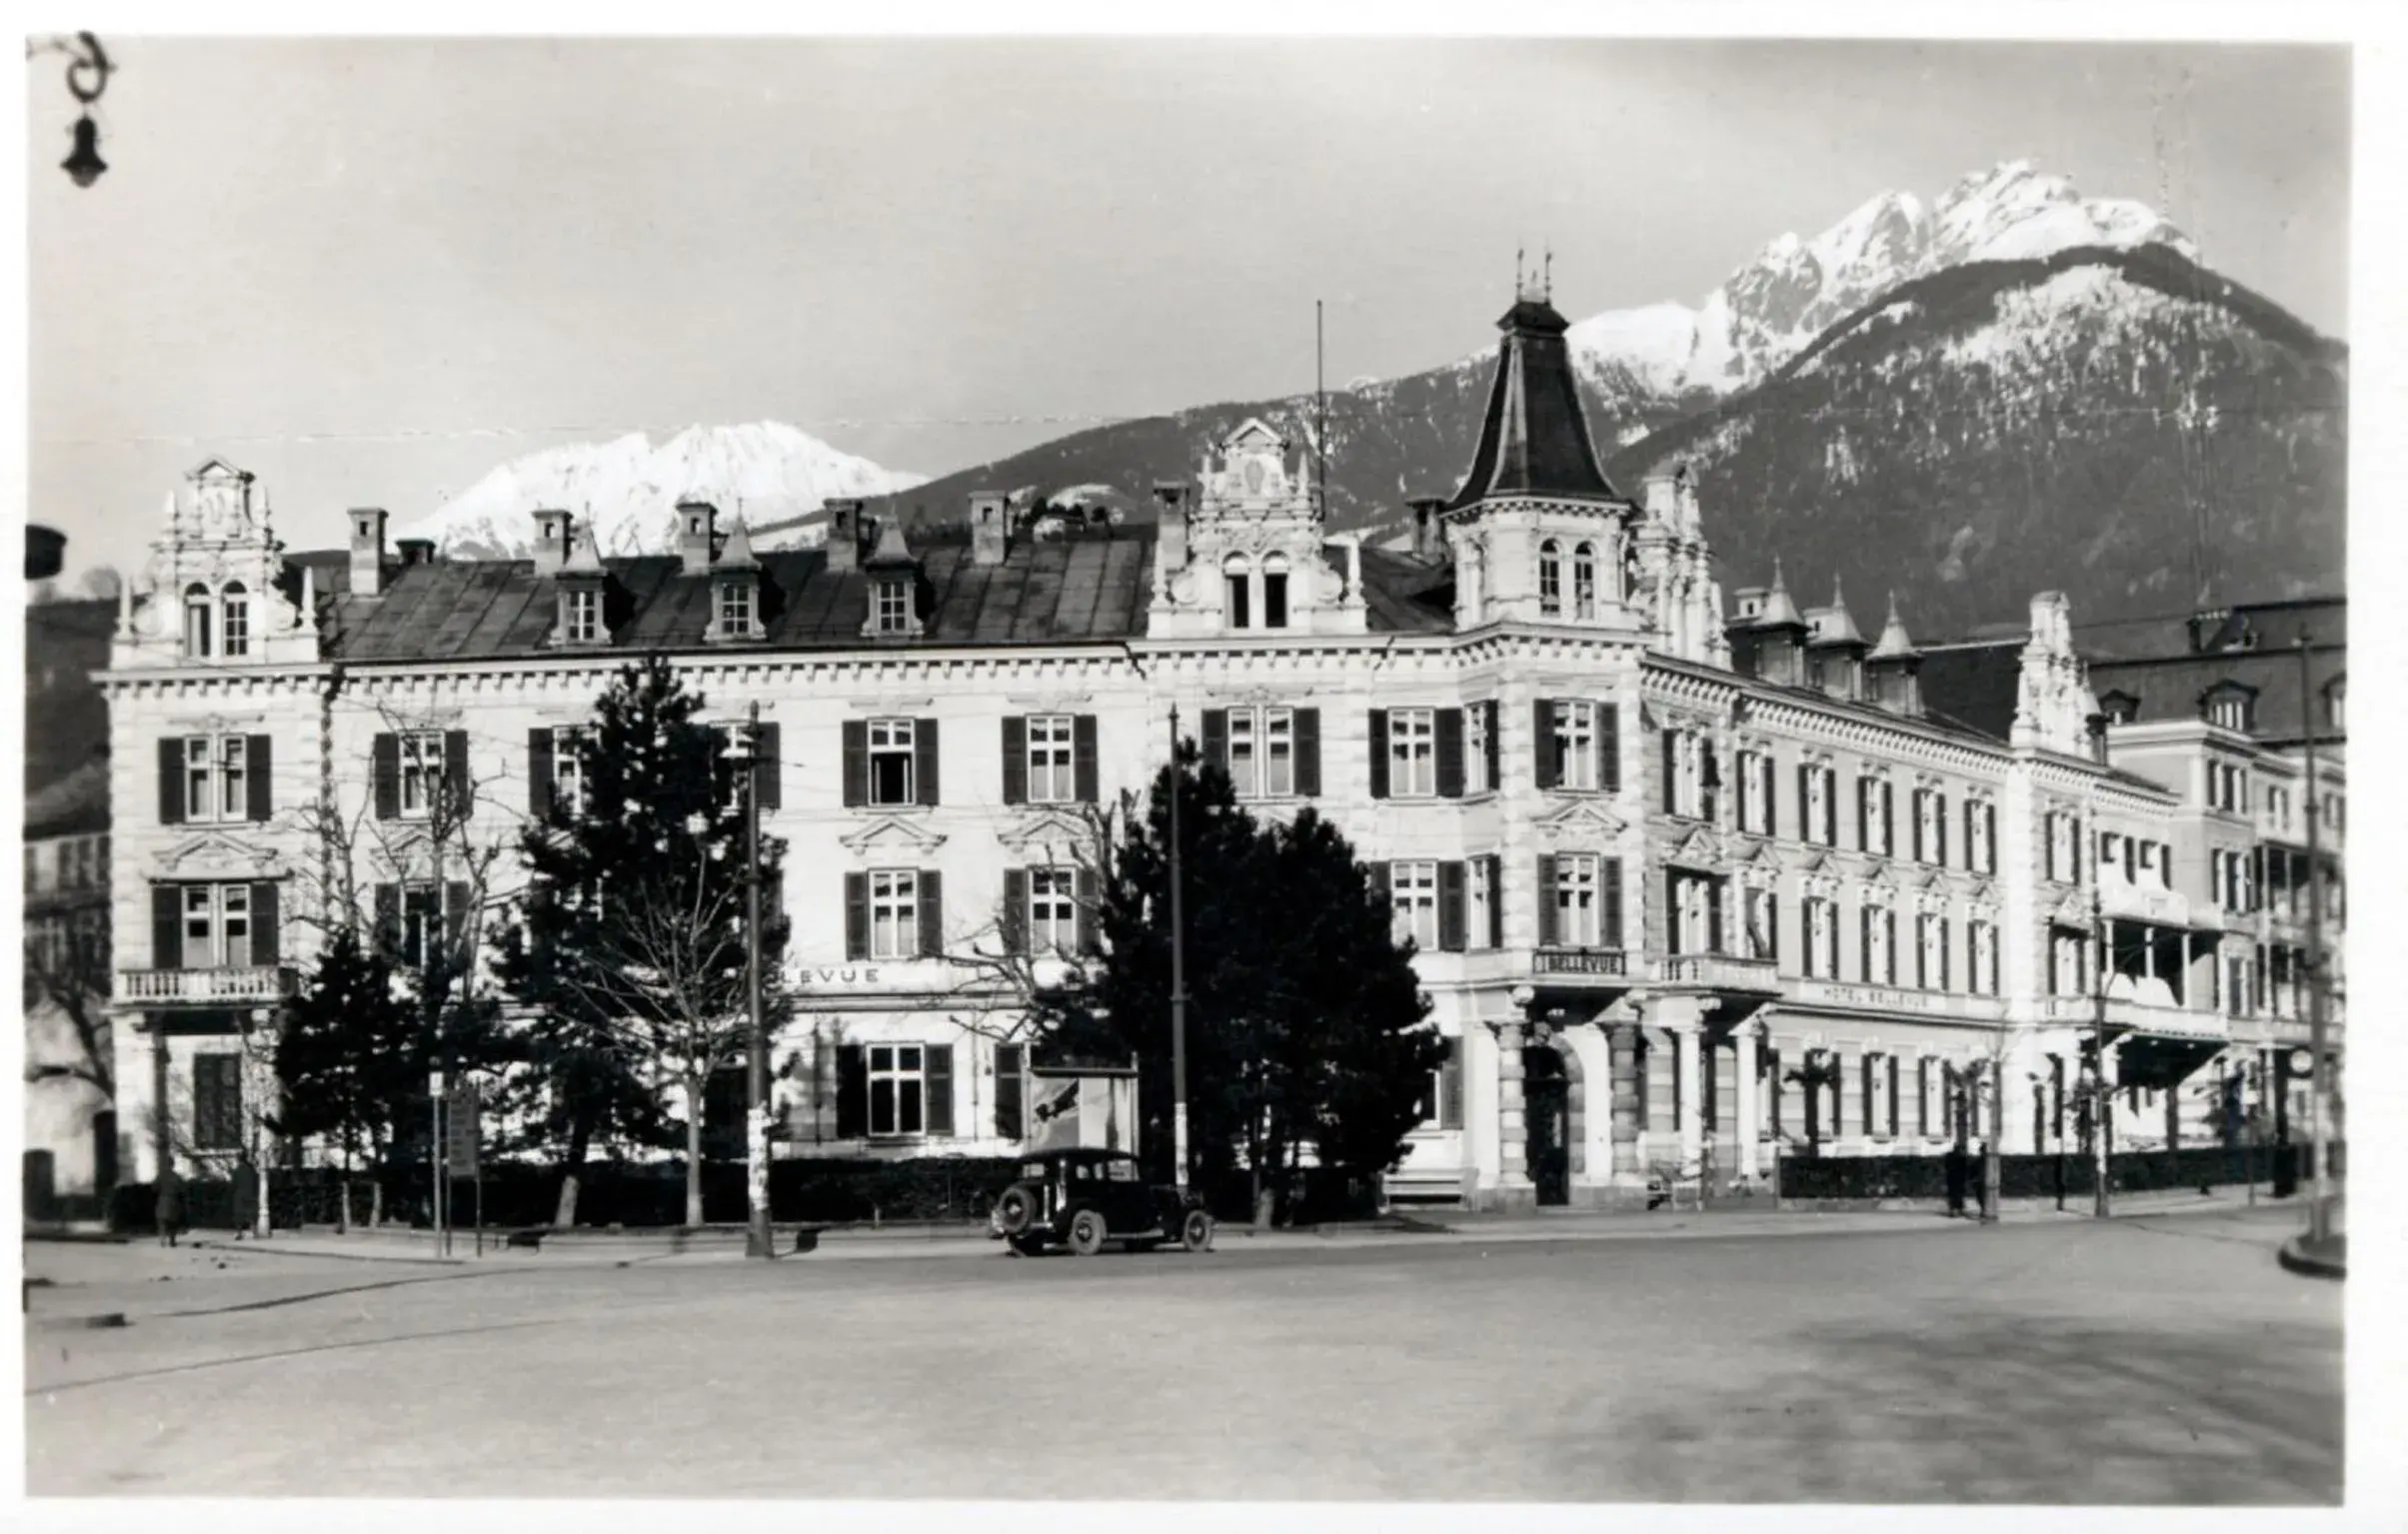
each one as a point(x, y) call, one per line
point(217, 1102)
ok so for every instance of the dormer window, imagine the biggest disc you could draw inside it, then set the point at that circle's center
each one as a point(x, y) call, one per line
point(2334, 694)
point(891, 608)
point(1240, 583)
point(2121, 708)
point(235, 632)
point(1550, 579)
point(199, 624)
point(2227, 707)
point(1274, 593)
point(1584, 581)
point(736, 609)
point(582, 615)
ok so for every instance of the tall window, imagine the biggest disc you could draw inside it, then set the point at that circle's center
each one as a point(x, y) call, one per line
point(1578, 911)
point(1550, 579)
point(1931, 951)
point(568, 771)
point(1476, 748)
point(2065, 848)
point(421, 770)
point(1873, 799)
point(897, 1090)
point(1575, 744)
point(1239, 581)
point(584, 615)
point(1820, 814)
point(1479, 884)
point(1693, 914)
point(1052, 912)
point(1412, 753)
point(2334, 696)
point(1880, 951)
point(1051, 779)
point(1982, 950)
point(235, 605)
point(892, 612)
point(1822, 939)
point(216, 777)
point(217, 1102)
point(895, 913)
point(1688, 774)
point(1980, 855)
point(1413, 895)
point(1274, 592)
point(893, 773)
point(197, 614)
point(1930, 826)
point(217, 926)
point(422, 925)
point(1763, 939)
point(1585, 580)
point(1756, 793)
point(1263, 753)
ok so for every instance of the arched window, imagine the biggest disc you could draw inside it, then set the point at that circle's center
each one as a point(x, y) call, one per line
point(1274, 592)
point(1240, 587)
point(234, 626)
point(197, 624)
point(1585, 580)
point(1550, 579)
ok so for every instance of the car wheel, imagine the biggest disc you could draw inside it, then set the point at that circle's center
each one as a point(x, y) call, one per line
point(1015, 1210)
point(1026, 1246)
point(1196, 1231)
point(1087, 1233)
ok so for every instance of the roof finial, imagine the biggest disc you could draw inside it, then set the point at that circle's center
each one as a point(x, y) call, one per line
point(1546, 287)
point(1779, 584)
point(1837, 599)
point(1518, 279)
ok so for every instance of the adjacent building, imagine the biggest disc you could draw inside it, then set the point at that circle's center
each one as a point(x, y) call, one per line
point(1695, 883)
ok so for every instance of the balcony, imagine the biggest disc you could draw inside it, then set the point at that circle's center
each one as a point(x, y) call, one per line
point(1718, 972)
point(204, 987)
point(1589, 963)
point(2125, 1015)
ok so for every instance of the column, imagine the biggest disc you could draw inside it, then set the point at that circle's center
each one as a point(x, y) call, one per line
point(1692, 1128)
point(1621, 1043)
point(1512, 1129)
point(2110, 1080)
point(1743, 1050)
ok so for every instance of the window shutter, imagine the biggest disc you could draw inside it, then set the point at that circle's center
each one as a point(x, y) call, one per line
point(1865, 1084)
point(1016, 760)
point(1496, 900)
point(931, 913)
point(939, 1066)
point(171, 781)
point(1449, 723)
point(166, 927)
point(1609, 747)
point(924, 745)
point(1216, 737)
point(1379, 754)
point(1864, 814)
point(1309, 752)
point(455, 920)
point(538, 773)
point(1084, 885)
point(1014, 919)
point(258, 780)
point(387, 903)
point(857, 763)
point(1451, 907)
point(1489, 713)
point(1772, 927)
point(1889, 827)
point(852, 1091)
point(1713, 916)
point(1546, 900)
point(1805, 828)
point(1451, 1087)
point(1894, 1094)
point(1543, 742)
point(1671, 742)
point(768, 767)
point(1973, 821)
point(1009, 1093)
point(1382, 888)
point(1677, 1094)
point(1940, 828)
point(263, 924)
point(1947, 951)
point(856, 915)
point(455, 771)
point(1610, 903)
point(1989, 839)
point(1084, 770)
point(1864, 946)
point(385, 756)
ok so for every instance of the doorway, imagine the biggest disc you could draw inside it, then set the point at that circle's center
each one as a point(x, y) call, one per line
point(1546, 1105)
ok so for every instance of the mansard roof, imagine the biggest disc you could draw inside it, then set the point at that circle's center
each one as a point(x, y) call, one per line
point(1534, 437)
point(1068, 591)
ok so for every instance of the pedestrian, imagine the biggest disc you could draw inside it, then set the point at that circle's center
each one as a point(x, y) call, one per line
point(1953, 1165)
point(246, 1194)
point(169, 1217)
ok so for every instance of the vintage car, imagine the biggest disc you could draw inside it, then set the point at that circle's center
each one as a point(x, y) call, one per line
point(1084, 1198)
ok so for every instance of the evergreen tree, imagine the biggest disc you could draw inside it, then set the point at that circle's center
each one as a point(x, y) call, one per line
point(1304, 1022)
point(350, 1056)
point(631, 940)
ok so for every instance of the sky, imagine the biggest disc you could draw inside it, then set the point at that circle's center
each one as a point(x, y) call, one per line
point(371, 270)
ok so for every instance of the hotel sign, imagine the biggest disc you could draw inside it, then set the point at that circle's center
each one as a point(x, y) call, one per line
point(1590, 962)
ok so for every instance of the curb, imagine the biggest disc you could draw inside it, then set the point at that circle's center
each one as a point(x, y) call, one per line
point(2295, 1257)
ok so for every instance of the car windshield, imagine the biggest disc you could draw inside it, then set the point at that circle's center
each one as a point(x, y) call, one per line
point(1035, 1171)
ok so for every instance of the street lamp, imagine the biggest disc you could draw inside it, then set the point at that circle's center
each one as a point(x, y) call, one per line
point(88, 70)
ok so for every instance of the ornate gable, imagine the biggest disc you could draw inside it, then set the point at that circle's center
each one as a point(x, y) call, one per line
point(901, 832)
point(216, 856)
point(1577, 821)
point(1044, 828)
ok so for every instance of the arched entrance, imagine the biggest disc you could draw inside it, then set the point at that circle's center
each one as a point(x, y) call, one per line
point(1552, 1113)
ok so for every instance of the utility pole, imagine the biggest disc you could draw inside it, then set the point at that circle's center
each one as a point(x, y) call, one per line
point(2319, 1070)
point(1179, 979)
point(758, 1242)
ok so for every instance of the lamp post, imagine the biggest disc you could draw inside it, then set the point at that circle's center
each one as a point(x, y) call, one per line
point(2319, 1068)
point(758, 1240)
point(1178, 980)
point(88, 70)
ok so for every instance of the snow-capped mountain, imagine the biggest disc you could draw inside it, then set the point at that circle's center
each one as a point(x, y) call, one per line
point(1770, 309)
point(628, 490)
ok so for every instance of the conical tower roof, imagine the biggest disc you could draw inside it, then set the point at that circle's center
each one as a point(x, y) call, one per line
point(1534, 437)
point(585, 558)
point(1779, 612)
point(1895, 643)
point(737, 551)
point(1838, 626)
point(892, 549)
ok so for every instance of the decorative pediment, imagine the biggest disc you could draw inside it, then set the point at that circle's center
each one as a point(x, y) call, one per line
point(1578, 820)
point(893, 831)
point(215, 854)
point(1820, 865)
point(1045, 828)
point(2074, 910)
point(1700, 848)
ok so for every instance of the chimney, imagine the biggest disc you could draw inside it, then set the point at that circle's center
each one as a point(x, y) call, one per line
point(1662, 503)
point(698, 526)
point(415, 550)
point(368, 551)
point(551, 542)
point(1430, 534)
point(990, 527)
point(844, 532)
